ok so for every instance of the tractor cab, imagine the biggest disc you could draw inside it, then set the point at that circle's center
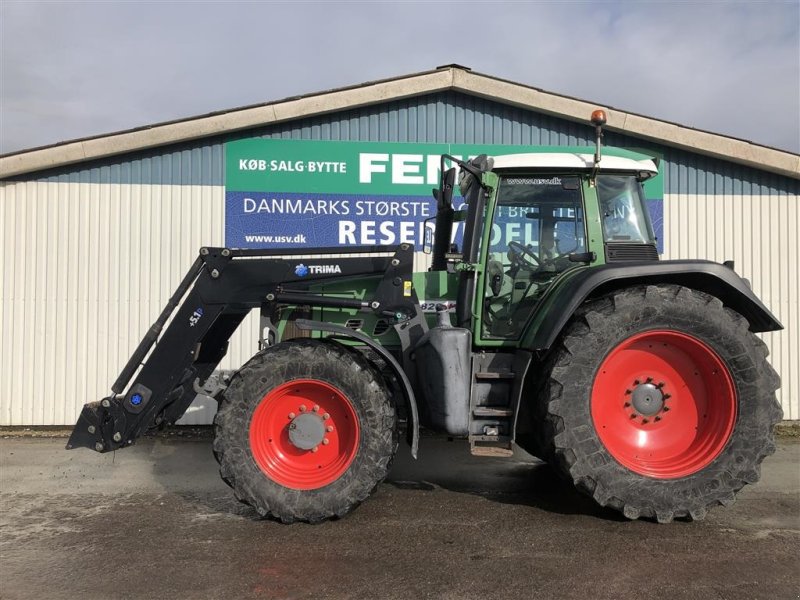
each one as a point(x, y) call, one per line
point(547, 217)
point(534, 219)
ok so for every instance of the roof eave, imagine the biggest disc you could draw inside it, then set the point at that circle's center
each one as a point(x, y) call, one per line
point(442, 79)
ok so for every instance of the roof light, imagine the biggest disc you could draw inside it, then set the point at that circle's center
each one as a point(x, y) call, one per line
point(598, 120)
point(598, 117)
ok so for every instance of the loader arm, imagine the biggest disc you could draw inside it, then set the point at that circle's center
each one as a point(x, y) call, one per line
point(216, 294)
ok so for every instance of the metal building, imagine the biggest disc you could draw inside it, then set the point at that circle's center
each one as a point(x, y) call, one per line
point(97, 232)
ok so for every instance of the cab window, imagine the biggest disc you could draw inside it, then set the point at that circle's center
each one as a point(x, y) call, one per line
point(622, 208)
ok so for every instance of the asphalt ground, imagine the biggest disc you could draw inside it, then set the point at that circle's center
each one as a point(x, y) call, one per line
point(155, 521)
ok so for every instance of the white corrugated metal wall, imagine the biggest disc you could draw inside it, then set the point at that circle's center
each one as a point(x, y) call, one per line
point(760, 234)
point(92, 264)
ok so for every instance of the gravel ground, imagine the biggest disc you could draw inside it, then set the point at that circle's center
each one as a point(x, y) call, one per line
point(155, 521)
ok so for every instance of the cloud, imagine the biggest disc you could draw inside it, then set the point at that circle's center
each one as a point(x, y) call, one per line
point(78, 69)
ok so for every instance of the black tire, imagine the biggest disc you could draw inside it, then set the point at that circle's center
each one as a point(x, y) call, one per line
point(318, 360)
point(570, 439)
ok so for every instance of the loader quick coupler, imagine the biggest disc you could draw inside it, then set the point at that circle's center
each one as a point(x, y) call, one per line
point(101, 426)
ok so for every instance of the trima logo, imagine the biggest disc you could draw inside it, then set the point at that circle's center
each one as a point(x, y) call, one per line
point(302, 270)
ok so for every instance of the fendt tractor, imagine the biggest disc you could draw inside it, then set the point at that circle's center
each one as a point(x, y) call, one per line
point(549, 322)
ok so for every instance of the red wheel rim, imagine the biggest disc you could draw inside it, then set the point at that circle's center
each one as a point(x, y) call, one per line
point(304, 402)
point(663, 404)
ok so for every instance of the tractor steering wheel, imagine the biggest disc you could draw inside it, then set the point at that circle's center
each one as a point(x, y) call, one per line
point(522, 256)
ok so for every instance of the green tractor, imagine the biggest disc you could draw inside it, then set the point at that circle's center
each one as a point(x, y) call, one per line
point(552, 325)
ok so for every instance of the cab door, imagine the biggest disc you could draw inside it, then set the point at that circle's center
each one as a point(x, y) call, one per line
point(537, 223)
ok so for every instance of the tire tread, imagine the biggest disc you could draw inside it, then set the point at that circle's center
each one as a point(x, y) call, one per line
point(284, 362)
point(577, 350)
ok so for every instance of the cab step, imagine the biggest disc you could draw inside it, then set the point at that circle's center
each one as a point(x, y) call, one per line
point(494, 375)
point(492, 415)
point(492, 412)
point(490, 445)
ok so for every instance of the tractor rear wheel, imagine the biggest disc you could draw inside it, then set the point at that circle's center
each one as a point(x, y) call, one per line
point(660, 402)
point(306, 431)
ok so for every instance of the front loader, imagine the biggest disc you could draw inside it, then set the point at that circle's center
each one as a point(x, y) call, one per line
point(552, 325)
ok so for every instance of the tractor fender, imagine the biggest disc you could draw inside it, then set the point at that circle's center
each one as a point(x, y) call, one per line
point(705, 276)
point(408, 393)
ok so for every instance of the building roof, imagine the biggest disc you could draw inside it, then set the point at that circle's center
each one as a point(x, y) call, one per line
point(444, 78)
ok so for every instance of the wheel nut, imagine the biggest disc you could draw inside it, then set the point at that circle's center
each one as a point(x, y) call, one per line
point(302, 408)
point(315, 448)
point(329, 428)
point(628, 392)
point(666, 408)
point(326, 441)
point(117, 436)
point(326, 416)
point(316, 408)
point(634, 415)
point(292, 415)
point(658, 418)
point(645, 421)
point(627, 404)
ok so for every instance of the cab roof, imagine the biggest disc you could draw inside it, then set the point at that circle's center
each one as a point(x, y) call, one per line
point(563, 160)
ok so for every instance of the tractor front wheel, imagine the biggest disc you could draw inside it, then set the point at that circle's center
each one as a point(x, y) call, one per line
point(306, 431)
point(660, 402)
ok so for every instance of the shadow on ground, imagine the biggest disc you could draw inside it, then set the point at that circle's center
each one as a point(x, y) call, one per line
point(519, 480)
point(442, 465)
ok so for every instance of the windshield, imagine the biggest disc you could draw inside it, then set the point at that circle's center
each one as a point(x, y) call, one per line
point(625, 218)
point(538, 223)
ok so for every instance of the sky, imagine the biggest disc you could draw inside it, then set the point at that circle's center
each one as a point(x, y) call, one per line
point(76, 69)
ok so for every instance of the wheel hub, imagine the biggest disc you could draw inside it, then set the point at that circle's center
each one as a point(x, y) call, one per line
point(306, 431)
point(647, 399)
